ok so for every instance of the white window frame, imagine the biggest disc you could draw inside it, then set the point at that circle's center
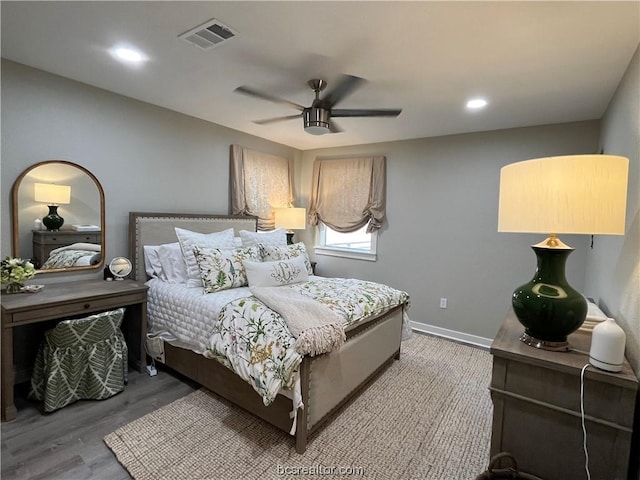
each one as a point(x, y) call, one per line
point(345, 252)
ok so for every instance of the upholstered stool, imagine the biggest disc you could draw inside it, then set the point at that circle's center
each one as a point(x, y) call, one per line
point(79, 359)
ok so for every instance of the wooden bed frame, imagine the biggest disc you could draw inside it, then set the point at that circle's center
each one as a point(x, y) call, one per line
point(328, 381)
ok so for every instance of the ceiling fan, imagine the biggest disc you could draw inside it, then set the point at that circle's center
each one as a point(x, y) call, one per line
point(318, 117)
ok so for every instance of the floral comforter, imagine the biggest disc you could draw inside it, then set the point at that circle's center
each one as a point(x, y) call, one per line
point(255, 343)
point(70, 258)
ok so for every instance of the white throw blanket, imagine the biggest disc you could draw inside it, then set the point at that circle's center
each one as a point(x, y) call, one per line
point(316, 328)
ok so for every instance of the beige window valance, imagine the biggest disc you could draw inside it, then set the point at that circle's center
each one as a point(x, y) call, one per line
point(348, 193)
point(260, 182)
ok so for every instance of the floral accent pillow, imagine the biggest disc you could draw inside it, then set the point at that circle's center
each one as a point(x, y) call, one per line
point(276, 273)
point(224, 269)
point(270, 253)
point(188, 240)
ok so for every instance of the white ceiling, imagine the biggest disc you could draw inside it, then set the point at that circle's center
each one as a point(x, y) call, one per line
point(536, 62)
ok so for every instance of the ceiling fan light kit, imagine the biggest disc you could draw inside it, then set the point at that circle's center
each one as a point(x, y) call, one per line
point(317, 117)
point(316, 121)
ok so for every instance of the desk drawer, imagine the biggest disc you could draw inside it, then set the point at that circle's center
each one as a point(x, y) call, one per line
point(78, 308)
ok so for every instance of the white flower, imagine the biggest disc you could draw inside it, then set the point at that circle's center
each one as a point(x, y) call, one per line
point(16, 270)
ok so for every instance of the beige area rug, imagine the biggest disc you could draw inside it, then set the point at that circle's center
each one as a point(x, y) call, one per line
point(428, 416)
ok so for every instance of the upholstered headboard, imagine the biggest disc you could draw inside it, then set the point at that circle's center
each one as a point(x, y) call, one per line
point(149, 228)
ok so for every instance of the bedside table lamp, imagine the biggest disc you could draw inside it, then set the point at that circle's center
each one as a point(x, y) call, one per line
point(53, 196)
point(291, 219)
point(575, 194)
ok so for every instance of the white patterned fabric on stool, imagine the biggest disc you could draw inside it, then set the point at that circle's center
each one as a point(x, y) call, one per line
point(84, 358)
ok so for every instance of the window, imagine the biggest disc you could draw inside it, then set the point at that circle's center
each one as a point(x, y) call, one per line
point(358, 244)
point(348, 204)
point(358, 240)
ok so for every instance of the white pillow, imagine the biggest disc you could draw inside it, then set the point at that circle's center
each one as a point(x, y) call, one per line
point(188, 239)
point(270, 253)
point(224, 269)
point(152, 264)
point(277, 273)
point(174, 269)
point(277, 237)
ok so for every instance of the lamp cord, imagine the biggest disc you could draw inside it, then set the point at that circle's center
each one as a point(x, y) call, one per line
point(584, 429)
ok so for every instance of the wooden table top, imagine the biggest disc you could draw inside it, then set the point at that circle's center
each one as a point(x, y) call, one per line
point(507, 345)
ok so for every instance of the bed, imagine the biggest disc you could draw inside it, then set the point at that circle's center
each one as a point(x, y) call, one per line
point(325, 382)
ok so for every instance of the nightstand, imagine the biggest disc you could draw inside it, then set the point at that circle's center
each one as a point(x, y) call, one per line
point(44, 241)
point(67, 300)
point(536, 408)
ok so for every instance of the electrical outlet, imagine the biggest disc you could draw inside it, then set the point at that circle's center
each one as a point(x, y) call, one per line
point(443, 303)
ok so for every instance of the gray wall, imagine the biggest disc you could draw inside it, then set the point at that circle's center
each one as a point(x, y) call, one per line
point(146, 158)
point(440, 238)
point(613, 266)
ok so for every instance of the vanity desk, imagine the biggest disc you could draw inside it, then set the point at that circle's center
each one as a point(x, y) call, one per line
point(536, 408)
point(66, 300)
point(44, 241)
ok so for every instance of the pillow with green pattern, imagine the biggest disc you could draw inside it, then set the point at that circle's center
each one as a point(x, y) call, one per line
point(223, 269)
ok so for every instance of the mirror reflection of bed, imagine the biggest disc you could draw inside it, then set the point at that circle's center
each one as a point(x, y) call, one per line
point(66, 248)
point(74, 255)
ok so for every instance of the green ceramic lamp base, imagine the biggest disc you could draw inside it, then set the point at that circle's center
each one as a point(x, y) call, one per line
point(289, 237)
point(53, 221)
point(547, 306)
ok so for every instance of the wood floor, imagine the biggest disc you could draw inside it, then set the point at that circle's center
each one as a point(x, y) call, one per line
point(67, 444)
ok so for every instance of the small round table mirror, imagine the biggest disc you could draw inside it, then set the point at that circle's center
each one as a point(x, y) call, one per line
point(120, 267)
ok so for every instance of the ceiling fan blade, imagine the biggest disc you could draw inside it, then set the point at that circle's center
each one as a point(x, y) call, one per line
point(368, 112)
point(346, 85)
point(265, 96)
point(267, 121)
point(333, 127)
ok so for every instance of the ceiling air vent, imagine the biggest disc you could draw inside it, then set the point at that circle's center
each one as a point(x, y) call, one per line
point(209, 34)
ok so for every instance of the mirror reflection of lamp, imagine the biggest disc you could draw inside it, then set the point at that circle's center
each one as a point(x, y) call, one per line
point(53, 195)
point(291, 219)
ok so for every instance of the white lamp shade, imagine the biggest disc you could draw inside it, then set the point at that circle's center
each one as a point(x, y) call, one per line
point(291, 218)
point(52, 194)
point(574, 194)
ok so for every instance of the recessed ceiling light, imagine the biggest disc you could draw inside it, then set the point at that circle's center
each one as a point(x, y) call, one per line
point(476, 103)
point(128, 55)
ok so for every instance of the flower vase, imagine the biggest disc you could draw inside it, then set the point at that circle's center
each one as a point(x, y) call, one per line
point(13, 287)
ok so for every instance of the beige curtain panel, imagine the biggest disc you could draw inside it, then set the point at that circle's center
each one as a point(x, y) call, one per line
point(348, 193)
point(260, 182)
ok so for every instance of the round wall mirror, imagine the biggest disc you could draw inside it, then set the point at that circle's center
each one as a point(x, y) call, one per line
point(58, 217)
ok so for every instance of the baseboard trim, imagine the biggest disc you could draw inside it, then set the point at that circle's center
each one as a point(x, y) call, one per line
point(452, 334)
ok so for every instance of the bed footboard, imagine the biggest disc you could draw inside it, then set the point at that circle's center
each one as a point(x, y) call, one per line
point(335, 377)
